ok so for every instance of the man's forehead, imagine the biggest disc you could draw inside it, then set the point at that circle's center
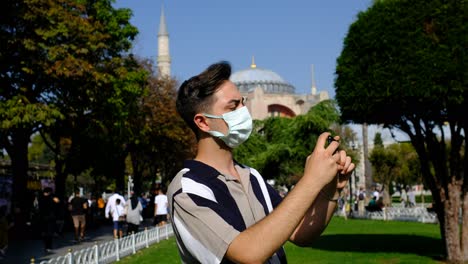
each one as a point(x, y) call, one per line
point(227, 92)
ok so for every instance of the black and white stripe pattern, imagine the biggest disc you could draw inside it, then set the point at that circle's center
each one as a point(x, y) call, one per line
point(209, 210)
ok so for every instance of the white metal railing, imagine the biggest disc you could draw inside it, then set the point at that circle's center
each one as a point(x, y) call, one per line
point(417, 214)
point(115, 249)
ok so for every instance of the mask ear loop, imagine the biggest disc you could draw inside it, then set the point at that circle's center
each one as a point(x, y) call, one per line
point(213, 116)
point(215, 133)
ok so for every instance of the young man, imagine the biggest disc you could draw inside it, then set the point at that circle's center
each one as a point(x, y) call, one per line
point(160, 207)
point(47, 208)
point(78, 207)
point(222, 211)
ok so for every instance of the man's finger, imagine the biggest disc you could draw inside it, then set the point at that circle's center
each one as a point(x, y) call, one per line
point(322, 139)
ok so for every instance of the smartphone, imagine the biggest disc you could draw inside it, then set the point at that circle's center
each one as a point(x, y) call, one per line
point(330, 139)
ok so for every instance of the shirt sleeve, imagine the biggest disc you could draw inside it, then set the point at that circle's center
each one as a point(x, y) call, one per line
point(202, 228)
point(275, 198)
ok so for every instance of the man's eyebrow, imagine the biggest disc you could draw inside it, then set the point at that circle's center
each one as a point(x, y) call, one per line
point(235, 101)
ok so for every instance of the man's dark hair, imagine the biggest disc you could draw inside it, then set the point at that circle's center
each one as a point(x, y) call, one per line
point(195, 94)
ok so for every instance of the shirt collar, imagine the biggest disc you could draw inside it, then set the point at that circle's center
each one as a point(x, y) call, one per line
point(206, 170)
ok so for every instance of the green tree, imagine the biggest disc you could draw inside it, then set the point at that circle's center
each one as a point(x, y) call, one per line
point(95, 84)
point(410, 170)
point(23, 109)
point(378, 142)
point(385, 164)
point(160, 139)
point(397, 162)
point(279, 146)
point(66, 73)
point(404, 65)
point(38, 152)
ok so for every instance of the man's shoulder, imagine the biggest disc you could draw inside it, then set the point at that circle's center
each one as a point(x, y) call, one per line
point(176, 184)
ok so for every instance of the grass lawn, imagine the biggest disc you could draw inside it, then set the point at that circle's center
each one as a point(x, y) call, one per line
point(351, 241)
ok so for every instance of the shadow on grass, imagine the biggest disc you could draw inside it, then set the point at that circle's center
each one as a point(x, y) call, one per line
point(384, 243)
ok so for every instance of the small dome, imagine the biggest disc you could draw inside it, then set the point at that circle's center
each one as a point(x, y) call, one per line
point(248, 79)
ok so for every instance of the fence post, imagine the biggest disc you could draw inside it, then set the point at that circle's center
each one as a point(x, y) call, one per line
point(157, 234)
point(116, 241)
point(96, 253)
point(167, 231)
point(146, 237)
point(133, 243)
point(70, 256)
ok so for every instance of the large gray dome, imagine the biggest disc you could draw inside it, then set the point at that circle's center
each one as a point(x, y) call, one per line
point(248, 79)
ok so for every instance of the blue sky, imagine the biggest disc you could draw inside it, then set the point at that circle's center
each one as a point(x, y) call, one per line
point(284, 36)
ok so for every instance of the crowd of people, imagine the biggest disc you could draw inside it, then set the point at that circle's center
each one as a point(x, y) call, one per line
point(51, 216)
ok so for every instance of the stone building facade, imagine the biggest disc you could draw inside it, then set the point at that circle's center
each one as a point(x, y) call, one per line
point(268, 94)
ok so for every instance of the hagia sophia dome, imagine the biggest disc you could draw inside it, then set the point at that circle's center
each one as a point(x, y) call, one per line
point(271, 82)
point(268, 94)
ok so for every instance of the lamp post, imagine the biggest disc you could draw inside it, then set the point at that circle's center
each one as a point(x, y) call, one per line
point(129, 185)
point(351, 204)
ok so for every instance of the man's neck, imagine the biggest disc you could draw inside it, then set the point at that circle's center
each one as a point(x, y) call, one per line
point(212, 154)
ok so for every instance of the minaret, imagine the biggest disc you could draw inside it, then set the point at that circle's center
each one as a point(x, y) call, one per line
point(164, 59)
point(314, 88)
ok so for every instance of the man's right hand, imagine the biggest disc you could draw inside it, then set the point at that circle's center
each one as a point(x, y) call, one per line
point(322, 164)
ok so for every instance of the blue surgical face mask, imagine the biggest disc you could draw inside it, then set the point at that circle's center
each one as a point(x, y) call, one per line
point(239, 122)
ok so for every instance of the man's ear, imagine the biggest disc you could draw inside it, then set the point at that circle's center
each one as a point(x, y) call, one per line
point(201, 122)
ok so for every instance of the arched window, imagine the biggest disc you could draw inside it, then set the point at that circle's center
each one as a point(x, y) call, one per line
point(280, 110)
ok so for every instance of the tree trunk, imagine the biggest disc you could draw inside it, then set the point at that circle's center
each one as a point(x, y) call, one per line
point(387, 199)
point(464, 234)
point(17, 149)
point(19, 166)
point(464, 197)
point(367, 164)
point(118, 173)
point(60, 178)
point(137, 172)
point(452, 226)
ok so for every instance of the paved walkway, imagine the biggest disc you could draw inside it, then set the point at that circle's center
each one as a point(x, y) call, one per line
point(21, 251)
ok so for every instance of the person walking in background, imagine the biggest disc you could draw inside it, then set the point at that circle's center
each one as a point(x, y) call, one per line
point(78, 207)
point(92, 213)
point(160, 207)
point(101, 204)
point(404, 197)
point(376, 193)
point(411, 197)
point(134, 210)
point(144, 203)
point(111, 203)
point(60, 214)
point(118, 218)
point(361, 201)
point(47, 208)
